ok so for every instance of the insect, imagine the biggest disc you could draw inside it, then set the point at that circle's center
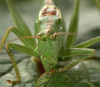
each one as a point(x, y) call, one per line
point(50, 41)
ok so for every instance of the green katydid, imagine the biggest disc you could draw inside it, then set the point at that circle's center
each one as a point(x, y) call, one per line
point(50, 43)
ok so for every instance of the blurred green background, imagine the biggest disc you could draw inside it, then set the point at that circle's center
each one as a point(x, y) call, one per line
point(28, 9)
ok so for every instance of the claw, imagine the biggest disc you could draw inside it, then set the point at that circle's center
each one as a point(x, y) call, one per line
point(12, 82)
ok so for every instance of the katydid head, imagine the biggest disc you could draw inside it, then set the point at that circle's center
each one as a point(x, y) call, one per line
point(49, 51)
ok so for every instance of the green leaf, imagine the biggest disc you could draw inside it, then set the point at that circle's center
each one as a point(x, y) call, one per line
point(85, 74)
point(20, 24)
point(27, 67)
point(71, 39)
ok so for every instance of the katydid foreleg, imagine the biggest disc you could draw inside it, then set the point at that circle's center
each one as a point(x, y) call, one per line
point(20, 48)
point(21, 30)
point(83, 54)
point(14, 65)
point(81, 49)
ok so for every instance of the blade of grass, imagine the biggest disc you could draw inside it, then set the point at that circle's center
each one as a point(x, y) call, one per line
point(19, 23)
point(98, 4)
point(71, 39)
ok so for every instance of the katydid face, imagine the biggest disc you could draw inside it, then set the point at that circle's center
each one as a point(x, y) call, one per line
point(49, 51)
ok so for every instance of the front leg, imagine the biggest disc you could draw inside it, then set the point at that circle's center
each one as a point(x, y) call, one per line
point(83, 54)
point(20, 48)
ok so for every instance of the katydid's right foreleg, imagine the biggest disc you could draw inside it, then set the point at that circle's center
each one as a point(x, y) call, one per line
point(14, 65)
point(20, 48)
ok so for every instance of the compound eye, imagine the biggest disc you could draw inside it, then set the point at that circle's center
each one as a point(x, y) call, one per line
point(55, 37)
point(39, 34)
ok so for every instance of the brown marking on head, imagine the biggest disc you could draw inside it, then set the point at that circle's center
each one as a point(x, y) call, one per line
point(49, 11)
point(47, 31)
point(49, 25)
point(39, 34)
point(50, 19)
point(50, 22)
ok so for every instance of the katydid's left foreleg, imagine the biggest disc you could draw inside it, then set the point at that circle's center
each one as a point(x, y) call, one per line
point(20, 48)
point(83, 54)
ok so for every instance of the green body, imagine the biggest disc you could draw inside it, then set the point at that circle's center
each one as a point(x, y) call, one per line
point(48, 49)
point(46, 25)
